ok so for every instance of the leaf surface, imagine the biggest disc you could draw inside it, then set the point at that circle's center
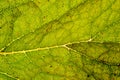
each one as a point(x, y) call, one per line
point(59, 39)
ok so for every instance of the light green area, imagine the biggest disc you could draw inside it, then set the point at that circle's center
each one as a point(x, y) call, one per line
point(59, 39)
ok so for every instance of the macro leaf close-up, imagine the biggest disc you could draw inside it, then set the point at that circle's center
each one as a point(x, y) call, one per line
point(59, 39)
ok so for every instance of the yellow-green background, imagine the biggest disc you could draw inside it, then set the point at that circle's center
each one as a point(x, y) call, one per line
point(59, 39)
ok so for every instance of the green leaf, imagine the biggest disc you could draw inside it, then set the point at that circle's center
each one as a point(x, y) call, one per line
point(59, 39)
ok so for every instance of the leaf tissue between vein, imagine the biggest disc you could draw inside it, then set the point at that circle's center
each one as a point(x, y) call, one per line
point(108, 52)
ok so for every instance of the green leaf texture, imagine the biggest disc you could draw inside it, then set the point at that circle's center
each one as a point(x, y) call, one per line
point(59, 39)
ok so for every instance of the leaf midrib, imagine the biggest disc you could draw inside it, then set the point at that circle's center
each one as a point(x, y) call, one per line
point(54, 46)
